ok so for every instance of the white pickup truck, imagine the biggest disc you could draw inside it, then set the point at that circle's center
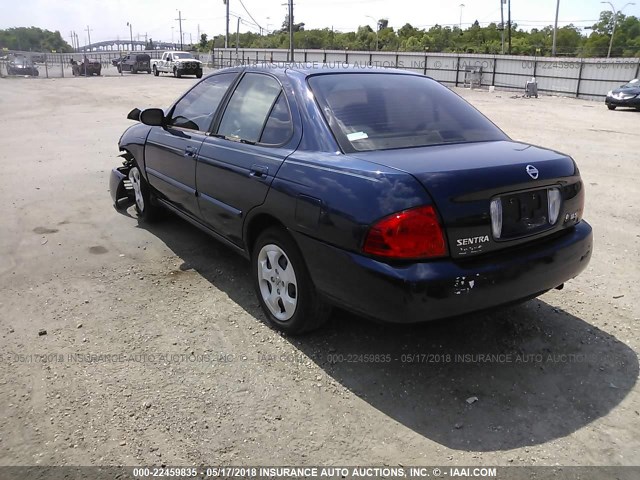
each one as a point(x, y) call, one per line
point(178, 63)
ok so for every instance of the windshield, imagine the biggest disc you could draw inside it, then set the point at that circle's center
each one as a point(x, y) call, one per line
point(635, 83)
point(182, 55)
point(379, 111)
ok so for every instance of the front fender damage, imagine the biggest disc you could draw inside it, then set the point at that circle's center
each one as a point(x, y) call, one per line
point(119, 185)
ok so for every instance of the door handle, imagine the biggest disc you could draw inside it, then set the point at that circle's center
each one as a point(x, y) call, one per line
point(189, 152)
point(258, 171)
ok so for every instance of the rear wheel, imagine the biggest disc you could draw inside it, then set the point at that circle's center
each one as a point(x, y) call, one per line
point(155, 71)
point(147, 211)
point(283, 284)
point(176, 72)
point(611, 107)
point(199, 74)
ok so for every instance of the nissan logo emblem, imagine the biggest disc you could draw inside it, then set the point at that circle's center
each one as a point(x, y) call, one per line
point(532, 171)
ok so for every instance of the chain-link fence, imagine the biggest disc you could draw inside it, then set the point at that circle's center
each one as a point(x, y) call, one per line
point(61, 65)
point(589, 78)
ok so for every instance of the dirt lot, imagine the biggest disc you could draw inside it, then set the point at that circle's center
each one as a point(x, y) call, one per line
point(197, 378)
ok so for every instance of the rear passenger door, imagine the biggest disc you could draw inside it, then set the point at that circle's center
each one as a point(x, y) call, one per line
point(237, 164)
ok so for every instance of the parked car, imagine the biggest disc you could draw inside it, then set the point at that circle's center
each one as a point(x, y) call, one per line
point(379, 191)
point(628, 95)
point(177, 63)
point(134, 63)
point(87, 67)
point(21, 65)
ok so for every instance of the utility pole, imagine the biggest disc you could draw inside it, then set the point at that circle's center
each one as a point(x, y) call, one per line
point(555, 30)
point(72, 42)
point(237, 38)
point(509, 22)
point(226, 35)
point(89, 36)
point(180, 25)
point(502, 2)
point(291, 47)
point(460, 25)
point(131, 34)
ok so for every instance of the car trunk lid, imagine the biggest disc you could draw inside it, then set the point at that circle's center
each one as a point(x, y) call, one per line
point(463, 179)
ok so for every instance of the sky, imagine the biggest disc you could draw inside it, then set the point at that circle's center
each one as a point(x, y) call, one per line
point(107, 19)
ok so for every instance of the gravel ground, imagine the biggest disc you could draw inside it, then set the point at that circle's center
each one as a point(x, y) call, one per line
point(155, 349)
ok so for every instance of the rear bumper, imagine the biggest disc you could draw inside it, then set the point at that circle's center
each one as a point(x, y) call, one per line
point(445, 288)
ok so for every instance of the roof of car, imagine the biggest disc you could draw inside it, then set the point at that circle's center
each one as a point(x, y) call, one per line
point(317, 68)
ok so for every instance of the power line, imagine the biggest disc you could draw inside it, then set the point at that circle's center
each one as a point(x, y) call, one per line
point(250, 16)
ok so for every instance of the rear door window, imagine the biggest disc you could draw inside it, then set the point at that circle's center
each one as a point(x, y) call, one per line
point(250, 107)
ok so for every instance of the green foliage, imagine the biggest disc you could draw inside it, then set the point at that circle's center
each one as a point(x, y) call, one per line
point(570, 40)
point(33, 39)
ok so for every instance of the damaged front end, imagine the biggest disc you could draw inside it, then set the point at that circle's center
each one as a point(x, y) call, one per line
point(120, 186)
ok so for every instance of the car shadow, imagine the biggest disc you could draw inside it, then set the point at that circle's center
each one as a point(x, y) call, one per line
point(514, 377)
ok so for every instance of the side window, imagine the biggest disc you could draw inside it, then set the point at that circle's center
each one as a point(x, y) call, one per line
point(250, 104)
point(279, 126)
point(196, 109)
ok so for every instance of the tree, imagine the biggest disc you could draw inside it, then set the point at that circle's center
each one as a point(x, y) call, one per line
point(33, 39)
point(203, 45)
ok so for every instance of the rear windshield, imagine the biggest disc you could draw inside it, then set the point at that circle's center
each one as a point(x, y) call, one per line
point(379, 111)
point(182, 55)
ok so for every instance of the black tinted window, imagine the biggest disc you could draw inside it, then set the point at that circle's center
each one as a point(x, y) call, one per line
point(197, 108)
point(246, 114)
point(382, 111)
point(279, 127)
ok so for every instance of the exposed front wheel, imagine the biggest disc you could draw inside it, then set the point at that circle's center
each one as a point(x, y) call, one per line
point(611, 107)
point(155, 71)
point(147, 212)
point(283, 285)
point(199, 74)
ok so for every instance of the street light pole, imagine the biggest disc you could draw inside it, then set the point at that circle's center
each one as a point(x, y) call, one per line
point(615, 20)
point(291, 46)
point(131, 34)
point(226, 35)
point(555, 30)
point(377, 29)
point(461, 7)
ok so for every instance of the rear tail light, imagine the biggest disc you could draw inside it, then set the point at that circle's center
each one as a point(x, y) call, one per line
point(414, 233)
point(554, 200)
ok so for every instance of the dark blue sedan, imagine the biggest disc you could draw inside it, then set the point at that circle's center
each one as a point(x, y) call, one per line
point(378, 191)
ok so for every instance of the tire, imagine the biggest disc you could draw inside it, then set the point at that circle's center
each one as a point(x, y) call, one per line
point(155, 71)
point(611, 107)
point(148, 72)
point(144, 201)
point(199, 74)
point(119, 69)
point(176, 72)
point(283, 284)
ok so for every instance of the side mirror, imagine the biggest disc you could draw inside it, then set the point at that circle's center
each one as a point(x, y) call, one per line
point(134, 115)
point(153, 117)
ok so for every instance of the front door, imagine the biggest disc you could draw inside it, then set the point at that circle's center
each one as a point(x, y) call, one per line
point(170, 152)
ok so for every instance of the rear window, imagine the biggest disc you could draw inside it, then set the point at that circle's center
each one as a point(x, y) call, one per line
point(379, 111)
